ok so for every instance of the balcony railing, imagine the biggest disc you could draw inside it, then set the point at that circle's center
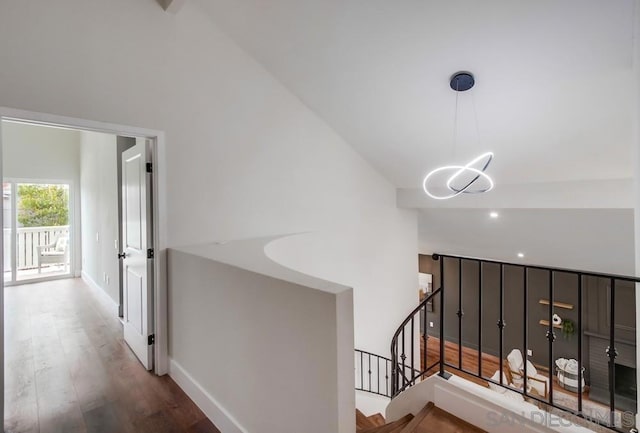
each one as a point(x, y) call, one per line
point(27, 241)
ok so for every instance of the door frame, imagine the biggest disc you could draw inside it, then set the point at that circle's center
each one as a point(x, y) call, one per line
point(72, 227)
point(159, 204)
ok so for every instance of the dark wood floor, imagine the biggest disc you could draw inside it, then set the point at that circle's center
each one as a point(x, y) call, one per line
point(68, 370)
point(490, 364)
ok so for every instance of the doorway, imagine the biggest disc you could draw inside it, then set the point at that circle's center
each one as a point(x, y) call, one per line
point(157, 184)
point(37, 230)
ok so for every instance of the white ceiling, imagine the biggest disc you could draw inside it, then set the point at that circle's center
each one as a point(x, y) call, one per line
point(552, 92)
point(552, 98)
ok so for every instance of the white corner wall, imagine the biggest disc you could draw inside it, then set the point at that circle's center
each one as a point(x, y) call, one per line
point(262, 354)
point(39, 153)
point(99, 211)
point(245, 157)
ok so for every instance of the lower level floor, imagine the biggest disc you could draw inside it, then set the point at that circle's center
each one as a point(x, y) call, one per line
point(68, 369)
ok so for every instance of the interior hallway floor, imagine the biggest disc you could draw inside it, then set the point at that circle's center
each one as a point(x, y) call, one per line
point(68, 369)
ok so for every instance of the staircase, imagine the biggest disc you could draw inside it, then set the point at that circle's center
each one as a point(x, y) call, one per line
point(430, 419)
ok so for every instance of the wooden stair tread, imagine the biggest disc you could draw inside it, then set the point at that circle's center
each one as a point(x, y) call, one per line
point(392, 427)
point(377, 419)
point(432, 419)
point(444, 422)
point(363, 421)
point(417, 420)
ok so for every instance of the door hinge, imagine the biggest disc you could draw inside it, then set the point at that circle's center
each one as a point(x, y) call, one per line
point(149, 167)
point(150, 253)
point(151, 339)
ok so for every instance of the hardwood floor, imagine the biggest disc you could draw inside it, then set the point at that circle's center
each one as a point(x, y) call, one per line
point(68, 370)
point(490, 364)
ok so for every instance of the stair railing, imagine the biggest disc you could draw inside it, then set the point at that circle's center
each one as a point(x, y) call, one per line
point(533, 297)
point(373, 373)
point(409, 348)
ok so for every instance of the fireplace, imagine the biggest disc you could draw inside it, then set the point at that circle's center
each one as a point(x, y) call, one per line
point(626, 385)
point(625, 372)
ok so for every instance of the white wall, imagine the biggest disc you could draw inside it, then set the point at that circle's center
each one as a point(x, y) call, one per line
point(636, 155)
point(266, 351)
point(99, 194)
point(31, 152)
point(245, 157)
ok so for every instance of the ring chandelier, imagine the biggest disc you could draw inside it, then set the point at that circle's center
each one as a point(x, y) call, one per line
point(475, 169)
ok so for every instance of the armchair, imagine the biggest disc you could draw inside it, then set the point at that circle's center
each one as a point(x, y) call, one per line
point(54, 253)
point(536, 382)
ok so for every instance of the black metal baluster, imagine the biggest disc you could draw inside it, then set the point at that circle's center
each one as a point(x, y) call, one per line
point(442, 357)
point(423, 347)
point(459, 313)
point(413, 379)
point(501, 323)
point(480, 318)
point(386, 377)
point(551, 336)
point(579, 343)
point(378, 372)
point(361, 370)
point(403, 357)
point(369, 371)
point(525, 281)
point(611, 352)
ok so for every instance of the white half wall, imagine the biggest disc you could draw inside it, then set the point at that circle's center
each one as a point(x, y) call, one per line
point(99, 190)
point(260, 354)
point(39, 153)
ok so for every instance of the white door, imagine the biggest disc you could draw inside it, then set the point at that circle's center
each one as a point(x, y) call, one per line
point(137, 252)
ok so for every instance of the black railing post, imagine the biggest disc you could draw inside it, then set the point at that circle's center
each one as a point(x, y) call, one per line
point(386, 377)
point(403, 357)
point(579, 343)
point(460, 314)
point(442, 355)
point(378, 371)
point(424, 340)
point(394, 360)
point(501, 323)
point(611, 352)
point(480, 318)
point(413, 357)
point(525, 314)
point(551, 336)
point(361, 370)
point(369, 371)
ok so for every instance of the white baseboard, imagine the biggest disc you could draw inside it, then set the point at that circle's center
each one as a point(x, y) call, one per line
point(100, 293)
point(207, 404)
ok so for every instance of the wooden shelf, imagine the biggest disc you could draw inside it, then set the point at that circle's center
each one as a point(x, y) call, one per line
point(557, 304)
point(546, 323)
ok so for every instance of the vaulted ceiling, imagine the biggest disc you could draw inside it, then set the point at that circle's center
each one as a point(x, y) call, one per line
point(552, 97)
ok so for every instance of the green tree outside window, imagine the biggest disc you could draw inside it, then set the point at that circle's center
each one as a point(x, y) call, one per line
point(43, 205)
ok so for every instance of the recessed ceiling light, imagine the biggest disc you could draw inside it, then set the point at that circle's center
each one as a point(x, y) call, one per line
point(521, 255)
point(493, 214)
